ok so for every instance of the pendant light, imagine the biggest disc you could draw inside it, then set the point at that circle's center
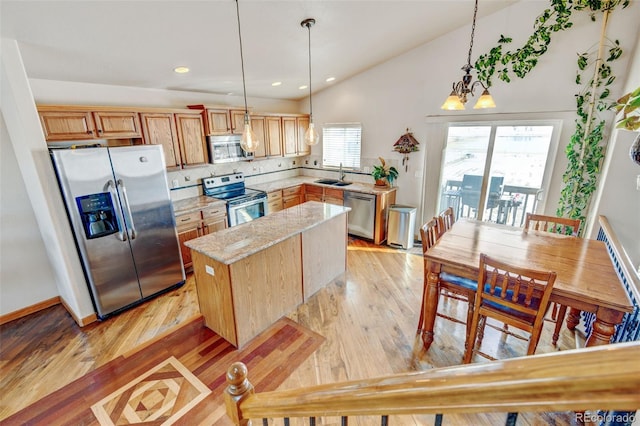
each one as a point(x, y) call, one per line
point(462, 88)
point(249, 141)
point(311, 136)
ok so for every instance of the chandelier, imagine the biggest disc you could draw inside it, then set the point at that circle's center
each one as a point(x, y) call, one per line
point(464, 87)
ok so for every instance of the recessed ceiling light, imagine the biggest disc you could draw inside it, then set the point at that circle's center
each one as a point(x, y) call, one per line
point(330, 79)
point(276, 83)
point(181, 70)
point(303, 87)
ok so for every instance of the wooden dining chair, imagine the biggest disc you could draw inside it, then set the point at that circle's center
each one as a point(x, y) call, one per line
point(447, 218)
point(516, 296)
point(449, 285)
point(558, 225)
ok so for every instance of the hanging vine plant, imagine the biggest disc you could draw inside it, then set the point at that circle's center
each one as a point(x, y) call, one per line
point(585, 149)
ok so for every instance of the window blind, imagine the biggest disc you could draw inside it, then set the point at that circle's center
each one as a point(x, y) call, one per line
point(341, 143)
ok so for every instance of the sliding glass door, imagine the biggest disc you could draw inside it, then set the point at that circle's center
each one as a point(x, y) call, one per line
point(495, 172)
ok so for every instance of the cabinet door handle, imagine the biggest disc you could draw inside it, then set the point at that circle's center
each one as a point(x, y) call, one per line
point(99, 130)
point(89, 132)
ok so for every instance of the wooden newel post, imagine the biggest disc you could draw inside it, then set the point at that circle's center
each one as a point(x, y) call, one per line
point(238, 389)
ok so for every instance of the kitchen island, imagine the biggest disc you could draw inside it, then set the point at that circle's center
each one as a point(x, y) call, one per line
point(250, 275)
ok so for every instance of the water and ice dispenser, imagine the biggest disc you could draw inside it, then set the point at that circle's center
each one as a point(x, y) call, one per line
point(98, 215)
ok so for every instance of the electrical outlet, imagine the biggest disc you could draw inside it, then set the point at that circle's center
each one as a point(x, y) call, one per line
point(367, 169)
point(638, 182)
point(175, 183)
point(209, 270)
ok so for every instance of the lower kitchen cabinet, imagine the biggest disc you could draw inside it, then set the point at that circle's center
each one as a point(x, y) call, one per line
point(196, 224)
point(274, 201)
point(324, 195)
point(292, 196)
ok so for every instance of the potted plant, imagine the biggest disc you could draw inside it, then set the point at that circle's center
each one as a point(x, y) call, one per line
point(383, 173)
point(629, 108)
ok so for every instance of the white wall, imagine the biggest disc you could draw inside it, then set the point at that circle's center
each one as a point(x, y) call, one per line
point(619, 194)
point(406, 92)
point(26, 276)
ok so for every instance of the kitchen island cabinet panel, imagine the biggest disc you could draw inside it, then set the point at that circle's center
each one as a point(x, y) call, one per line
point(324, 261)
point(273, 287)
point(262, 263)
point(218, 316)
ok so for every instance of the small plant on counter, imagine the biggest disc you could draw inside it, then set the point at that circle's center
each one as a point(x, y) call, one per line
point(384, 173)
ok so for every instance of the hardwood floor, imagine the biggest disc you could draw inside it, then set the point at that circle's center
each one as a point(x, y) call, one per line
point(368, 317)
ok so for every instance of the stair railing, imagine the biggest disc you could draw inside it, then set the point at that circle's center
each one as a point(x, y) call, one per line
point(596, 378)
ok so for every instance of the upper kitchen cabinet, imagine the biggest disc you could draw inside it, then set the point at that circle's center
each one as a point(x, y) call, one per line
point(181, 134)
point(160, 129)
point(290, 136)
point(220, 120)
point(258, 125)
point(61, 123)
point(274, 136)
point(303, 125)
point(237, 121)
point(193, 144)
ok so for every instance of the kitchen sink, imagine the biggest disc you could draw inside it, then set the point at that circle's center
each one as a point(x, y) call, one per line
point(333, 182)
point(328, 181)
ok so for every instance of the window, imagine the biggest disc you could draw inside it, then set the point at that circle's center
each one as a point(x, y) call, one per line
point(341, 145)
point(496, 171)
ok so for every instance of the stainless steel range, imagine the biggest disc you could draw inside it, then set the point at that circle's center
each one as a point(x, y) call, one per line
point(243, 204)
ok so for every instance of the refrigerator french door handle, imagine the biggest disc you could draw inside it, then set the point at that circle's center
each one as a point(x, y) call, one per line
point(122, 236)
point(123, 191)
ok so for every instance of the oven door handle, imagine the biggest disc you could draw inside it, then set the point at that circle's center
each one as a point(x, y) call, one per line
point(248, 203)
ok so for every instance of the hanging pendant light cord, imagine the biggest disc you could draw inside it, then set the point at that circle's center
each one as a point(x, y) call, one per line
point(473, 30)
point(310, 104)
point(244, 87)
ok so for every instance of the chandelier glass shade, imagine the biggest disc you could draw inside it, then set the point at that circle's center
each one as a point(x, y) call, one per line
point(311, 136)
point(458, 96)
point(248, 141)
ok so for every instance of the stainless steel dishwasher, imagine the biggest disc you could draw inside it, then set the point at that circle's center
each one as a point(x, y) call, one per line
point(363, 213)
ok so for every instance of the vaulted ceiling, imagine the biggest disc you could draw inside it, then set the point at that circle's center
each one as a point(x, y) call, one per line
point(139, 43)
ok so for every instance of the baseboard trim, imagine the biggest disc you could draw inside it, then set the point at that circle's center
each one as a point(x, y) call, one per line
point(30, 310)
point(80, 321)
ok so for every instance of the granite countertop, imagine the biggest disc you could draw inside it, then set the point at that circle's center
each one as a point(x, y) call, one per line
point(193, 204)
point(232, 244)
point(367, 188)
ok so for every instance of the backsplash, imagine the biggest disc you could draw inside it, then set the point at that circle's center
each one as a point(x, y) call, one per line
point(187, 183)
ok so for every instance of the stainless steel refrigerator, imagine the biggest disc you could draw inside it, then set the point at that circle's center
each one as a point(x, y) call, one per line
point(121, 214)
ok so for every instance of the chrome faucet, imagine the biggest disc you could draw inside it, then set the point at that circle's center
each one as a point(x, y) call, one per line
point(341, 174)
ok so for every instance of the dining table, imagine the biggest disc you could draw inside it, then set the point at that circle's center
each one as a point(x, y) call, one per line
point(586, 279)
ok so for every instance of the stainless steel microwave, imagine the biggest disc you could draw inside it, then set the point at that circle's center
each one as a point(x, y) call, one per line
point(226, 149)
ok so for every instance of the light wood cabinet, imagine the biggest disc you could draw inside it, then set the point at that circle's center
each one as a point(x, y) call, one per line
point(303, 125)
point(214, 219)
point(61, 123)
point(218, 121)
point(237, 121)
point(289, 136)
point(180, 134)
point(160, 129)
point(292, 196)
point(193, 144)
point(196, 224)
point(324, 195)
point(274, 136)
point(189, 227)
point(258, 125)
point(274, 201)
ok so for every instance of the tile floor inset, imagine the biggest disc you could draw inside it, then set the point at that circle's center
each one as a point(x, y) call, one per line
point(161, 395)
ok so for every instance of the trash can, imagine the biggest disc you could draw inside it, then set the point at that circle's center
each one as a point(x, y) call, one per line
point(401, 226)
